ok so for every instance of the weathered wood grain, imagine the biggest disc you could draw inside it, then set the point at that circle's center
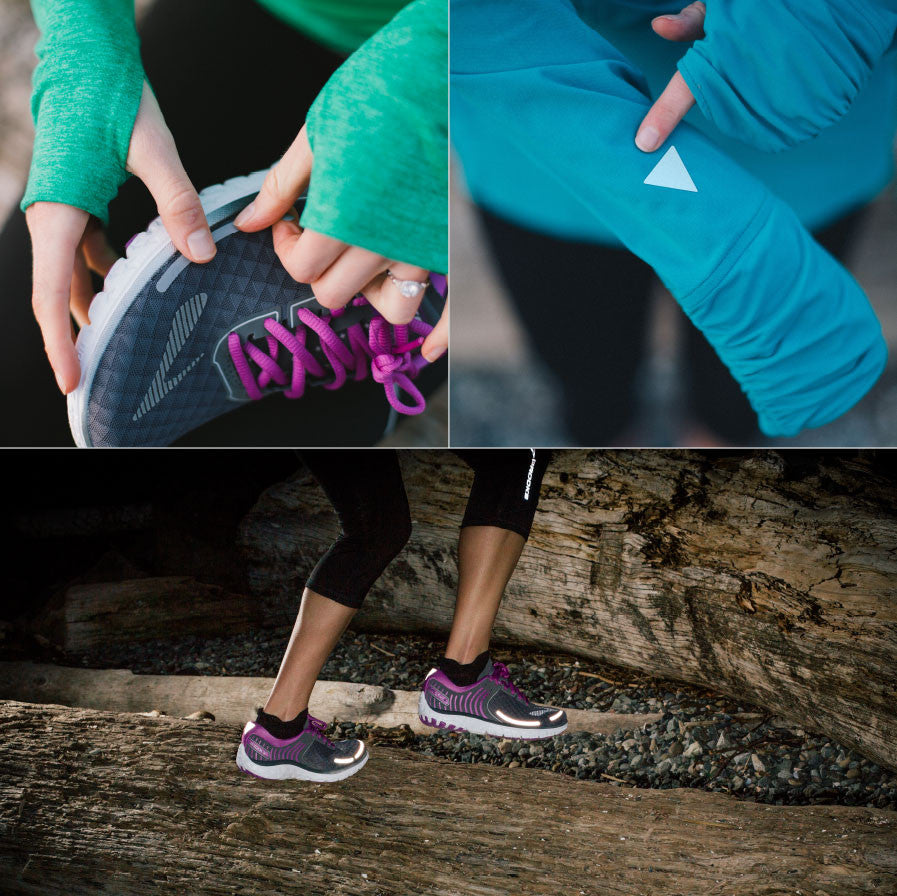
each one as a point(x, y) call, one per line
point(94, 802)
point(232, 698)
point(769, 576)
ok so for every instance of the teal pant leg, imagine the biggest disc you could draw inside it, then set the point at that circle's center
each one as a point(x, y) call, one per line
point(544, 112)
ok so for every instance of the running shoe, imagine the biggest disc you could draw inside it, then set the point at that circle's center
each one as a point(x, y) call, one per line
point(172, 344)
point(493, 704)
point(310, 756)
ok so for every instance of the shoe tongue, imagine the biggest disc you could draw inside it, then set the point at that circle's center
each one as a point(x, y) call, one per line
point(487, 670)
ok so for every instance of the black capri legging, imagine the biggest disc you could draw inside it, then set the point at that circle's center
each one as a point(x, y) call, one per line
point(368, 495)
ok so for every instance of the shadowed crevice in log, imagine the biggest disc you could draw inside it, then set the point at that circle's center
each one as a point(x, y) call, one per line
point(92, 800)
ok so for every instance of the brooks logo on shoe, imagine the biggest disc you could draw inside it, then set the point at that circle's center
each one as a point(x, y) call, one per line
point(182, 326)
point(438, 694)
point(259, 746)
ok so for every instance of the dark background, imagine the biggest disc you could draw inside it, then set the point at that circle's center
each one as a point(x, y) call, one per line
point(83, 515)
point(72, 516)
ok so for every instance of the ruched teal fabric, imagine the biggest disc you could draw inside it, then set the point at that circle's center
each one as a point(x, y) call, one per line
point(822, 178)
point(544, 121)
point(776, 74)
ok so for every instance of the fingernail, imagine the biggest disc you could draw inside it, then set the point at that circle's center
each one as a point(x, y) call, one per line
point(434, 355)
point(245, 216)
point(647, 139)
point(61, 383)
point(201, 245)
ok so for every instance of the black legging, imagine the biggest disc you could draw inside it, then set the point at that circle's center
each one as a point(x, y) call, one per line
point(234, 84)
point(368, 494)
point(585, 307)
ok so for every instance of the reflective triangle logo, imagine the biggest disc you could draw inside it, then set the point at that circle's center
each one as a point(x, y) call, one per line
point(671, 172)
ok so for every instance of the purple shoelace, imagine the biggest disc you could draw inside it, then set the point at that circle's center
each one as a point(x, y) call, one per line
point(502, 676)
point(386, 349)
point(317, 729)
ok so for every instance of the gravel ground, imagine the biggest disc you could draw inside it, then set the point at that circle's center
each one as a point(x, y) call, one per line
point(704, 739)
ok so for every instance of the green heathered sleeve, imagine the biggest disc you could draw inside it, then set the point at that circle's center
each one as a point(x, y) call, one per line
point(379, 134)
point(87, 88)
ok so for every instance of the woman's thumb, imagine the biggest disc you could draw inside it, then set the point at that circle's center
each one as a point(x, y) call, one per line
point(154, 158)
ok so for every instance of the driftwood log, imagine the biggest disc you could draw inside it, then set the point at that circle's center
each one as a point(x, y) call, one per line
point(231, 698)
point(96, 614)
point(769, 576)
point(93, 802)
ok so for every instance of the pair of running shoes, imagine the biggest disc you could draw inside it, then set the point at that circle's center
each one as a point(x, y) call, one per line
point(492, 705)
point(172, 345)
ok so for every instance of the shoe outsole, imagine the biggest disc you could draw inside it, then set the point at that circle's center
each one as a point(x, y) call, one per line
point(451, 722)
point(109, 306)
point(286, 771)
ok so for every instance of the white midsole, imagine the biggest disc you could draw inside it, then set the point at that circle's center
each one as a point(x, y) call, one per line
point(286, 770)
point(109, 306)
point(428, 715)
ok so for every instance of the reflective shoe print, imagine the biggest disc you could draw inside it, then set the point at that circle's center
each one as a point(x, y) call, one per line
point(310, 756)
point(172, 344)
point(493, 704)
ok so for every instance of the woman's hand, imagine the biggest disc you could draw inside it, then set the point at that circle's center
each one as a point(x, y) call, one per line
point(778, 98)
point(336, 271)
point(675, 101)
point(68, 243)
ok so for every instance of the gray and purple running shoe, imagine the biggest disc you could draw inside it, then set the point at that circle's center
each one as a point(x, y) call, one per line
point(310, 756)
point(172, 344)
point(493, 704)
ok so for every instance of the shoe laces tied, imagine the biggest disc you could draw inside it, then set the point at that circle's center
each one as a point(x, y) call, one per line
point(387, 350)
point(318, 729)
point(500, 675)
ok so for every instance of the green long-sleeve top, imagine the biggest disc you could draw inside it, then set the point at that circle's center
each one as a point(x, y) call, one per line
point(378, 129)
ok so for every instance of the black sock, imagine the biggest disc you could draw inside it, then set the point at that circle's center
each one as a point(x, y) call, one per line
point(278, 727)
point(463, 674)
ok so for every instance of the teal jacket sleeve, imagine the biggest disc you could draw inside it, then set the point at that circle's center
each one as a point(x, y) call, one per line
point(776, 74)
point(87, 88)
point(544, 112)
point(379, 134)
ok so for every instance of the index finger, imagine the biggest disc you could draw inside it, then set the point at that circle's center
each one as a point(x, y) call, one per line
point(55, 235)
point(669, 109)
point(436, 343)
